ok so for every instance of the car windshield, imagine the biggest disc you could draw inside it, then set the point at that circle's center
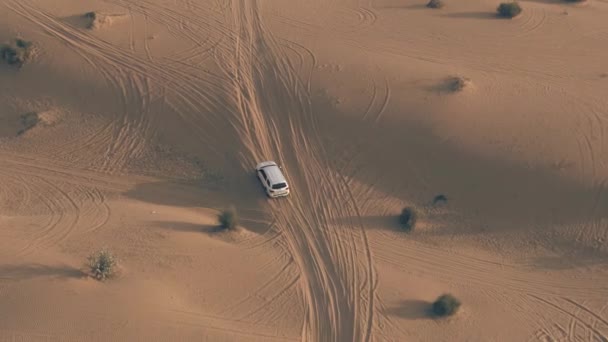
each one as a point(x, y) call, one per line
point(279, 186)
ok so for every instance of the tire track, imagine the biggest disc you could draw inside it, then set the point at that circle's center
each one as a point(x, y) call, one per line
point(184, 25)
point(232, 310)
point(59, 208)
point(187, 87)
point(67, 202)
point(126, 132)
point(466, 269)
point(332, 277)
point(574, 316)
point(307, 70)
point(532, 22)
point(365, 18)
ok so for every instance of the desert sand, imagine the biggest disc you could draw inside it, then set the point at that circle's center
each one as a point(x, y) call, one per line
point(133, 123)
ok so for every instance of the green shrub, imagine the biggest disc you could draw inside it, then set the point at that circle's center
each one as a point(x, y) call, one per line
point(435, 4)
point(28, 121)
point(102, 265)
point(441, 198)
point(446, 305)
point(509, 9)
point(17, 52)
point(228, 218)
point(408, 218)
point(91, 15)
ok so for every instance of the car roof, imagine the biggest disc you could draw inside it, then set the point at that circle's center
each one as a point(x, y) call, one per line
point(274, 174)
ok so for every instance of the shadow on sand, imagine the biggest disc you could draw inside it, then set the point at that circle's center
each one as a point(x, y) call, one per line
point(420, 164)
point(188, 227)
point(248, 203)
point(473, 15)
point(29, 271)
point(412, 309)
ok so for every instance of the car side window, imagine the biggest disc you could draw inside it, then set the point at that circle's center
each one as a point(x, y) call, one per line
point(265, 177)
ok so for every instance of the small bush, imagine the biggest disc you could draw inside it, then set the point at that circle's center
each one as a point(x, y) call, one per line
point(435, 4)
point(17, 52)
point(28, 121)
point(441, 198)
point(22, 43)
point(445, 305)
point(509, 9)
point(102, 265)
point(458, 83)
point(97, 20)
point(408, 218)
point(90, 15)
point(228, 218)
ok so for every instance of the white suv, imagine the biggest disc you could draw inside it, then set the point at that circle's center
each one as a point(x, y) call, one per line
point(272, 179)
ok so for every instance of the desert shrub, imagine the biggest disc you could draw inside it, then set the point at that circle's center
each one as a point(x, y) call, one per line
point(17, 52)
point(458, 83)
point(102, 265)
point(509, 9)
point(97, 20)
point(23, 44)
point(441, 198)
point(228, 218)
point(435, 4)
point(408, 218)
point(445, 305)
point(28, 121)
point(90, 15)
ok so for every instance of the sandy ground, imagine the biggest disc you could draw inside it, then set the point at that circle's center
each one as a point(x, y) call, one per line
point(133, 131)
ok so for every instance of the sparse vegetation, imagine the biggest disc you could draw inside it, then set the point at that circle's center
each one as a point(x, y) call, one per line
point(28, 121)
point(408, 218)
point(91, 15)
point(435, 4)
point(102, 265)
point(575, 0)
point(458, 83)
point(509, 9)
point(445, 305)
point(97, 20)
point(16, 52)
point(93, 19)
point(441, 198)
point(228, 218)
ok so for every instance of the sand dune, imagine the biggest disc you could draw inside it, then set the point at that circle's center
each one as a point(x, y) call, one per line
point(130, 129)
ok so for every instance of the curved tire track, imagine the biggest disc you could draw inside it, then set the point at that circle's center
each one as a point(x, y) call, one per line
point(338, 290)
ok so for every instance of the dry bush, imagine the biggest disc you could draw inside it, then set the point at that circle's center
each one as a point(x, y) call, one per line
point(228, 218)
point(435, 4)
point(28, 121)
point(408, 218)
point(17, 52)
point(509, 9)
point(458, 83)
point(102, 265)
point(445, 305)
point(441, 198)
point(96, 20)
